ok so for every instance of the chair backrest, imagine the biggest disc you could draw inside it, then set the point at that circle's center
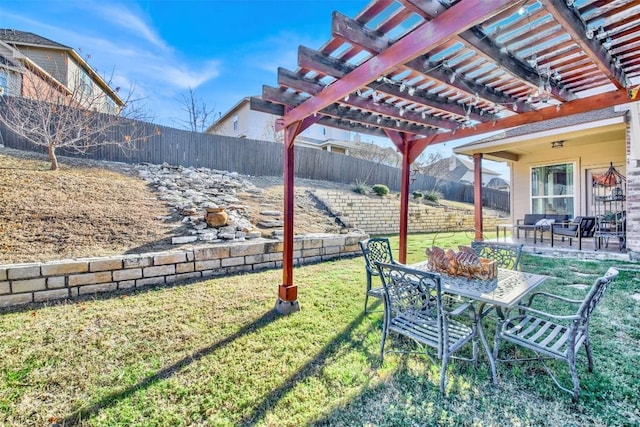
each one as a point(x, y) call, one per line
point(587, 226)
point(376, 249)
point(507, 255)
point(596, 293)
point(408, 290)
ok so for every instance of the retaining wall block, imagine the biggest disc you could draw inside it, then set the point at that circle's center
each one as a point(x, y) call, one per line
point(159, 280)
point(90, 278)
point(105, 264)
point(185, 267)
point(56, 282)
point(139, 261)
point(16, 299)
point(128, 274)
point(64, 268)
point(30, 285)
point(169, 258)
point(232, 262)
point(333, 241)
point(161, 270)
point(246, 249)
point(23, 272)
point(239, 269)
point(94, 289)
point(310, 252)
point(217, 252)
point(264, 265)
point(312, 243)
point(273, 247)
point(211, 264)
point(5, 288)
point(127, 284)
point(3, 274)
point(50, 295)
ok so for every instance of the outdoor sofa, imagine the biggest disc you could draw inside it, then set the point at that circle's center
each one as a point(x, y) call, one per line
point(537, 223)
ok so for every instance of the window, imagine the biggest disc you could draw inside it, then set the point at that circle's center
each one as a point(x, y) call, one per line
point(553, 189)
point(86, 84)
point(235, 122)
point(4, 82)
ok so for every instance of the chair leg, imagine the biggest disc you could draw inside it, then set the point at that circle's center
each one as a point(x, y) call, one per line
point(574, 377)
point(366, 295)
point(443, 373)
point(587, 347)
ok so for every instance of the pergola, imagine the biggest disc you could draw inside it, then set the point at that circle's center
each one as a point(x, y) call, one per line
point(424, 72)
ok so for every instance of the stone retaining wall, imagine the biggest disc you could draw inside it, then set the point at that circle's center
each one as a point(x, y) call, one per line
point(378, 215)
point(26, 283)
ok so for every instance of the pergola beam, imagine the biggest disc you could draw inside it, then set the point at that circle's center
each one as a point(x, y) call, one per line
point(458, 18)
point(603, 100)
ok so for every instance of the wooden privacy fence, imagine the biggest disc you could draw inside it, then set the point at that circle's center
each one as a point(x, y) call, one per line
point(257, 158)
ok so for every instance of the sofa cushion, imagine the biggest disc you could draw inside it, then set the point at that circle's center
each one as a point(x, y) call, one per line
point(532, 219)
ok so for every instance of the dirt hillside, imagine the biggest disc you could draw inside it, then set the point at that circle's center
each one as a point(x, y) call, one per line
point(95, 208)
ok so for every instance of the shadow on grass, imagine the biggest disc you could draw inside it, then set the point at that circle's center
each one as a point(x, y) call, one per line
point(112, 399)
point(311, 368)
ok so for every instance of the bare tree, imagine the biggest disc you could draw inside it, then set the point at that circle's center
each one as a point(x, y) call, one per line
point(434, 165)
point(76, 117)
point(200, 115)
point(374, 153)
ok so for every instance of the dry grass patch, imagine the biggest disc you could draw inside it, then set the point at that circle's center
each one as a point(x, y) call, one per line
point(73, 212)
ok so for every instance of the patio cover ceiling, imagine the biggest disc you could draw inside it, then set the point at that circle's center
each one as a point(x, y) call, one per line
point(435, 71)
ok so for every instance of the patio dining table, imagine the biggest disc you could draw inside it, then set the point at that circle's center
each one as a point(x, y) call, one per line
point(486, 295)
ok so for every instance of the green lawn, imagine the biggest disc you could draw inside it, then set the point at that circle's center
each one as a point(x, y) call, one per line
point(214, 353)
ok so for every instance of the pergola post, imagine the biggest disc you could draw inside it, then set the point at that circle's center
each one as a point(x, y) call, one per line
point(404, 202)
point(477, 195)
point(288, 292)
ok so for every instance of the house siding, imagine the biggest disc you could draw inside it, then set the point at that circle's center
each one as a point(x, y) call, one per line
point(52, 61)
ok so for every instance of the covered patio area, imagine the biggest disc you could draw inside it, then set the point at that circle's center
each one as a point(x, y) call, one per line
point(422, 73)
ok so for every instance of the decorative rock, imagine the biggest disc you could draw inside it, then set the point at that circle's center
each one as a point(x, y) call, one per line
point(227, 236)
point(183, 239)
point(270, 224)
point(217, 217)
point(271, 213)
point(227, 230)
point(253, 235)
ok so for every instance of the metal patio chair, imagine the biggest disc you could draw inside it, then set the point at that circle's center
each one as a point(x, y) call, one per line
point(375, 249)
point(553, 335)
point(507, 255)
point(414, 309)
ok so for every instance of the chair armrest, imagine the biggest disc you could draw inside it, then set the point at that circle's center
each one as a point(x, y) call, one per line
point(526, 309)
point(519, 221)
point(460, 309)
point(557, 297)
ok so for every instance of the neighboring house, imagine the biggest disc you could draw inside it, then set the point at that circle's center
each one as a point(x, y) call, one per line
point(29, 61)
point(553, 162)
point(458, 169)
point(243, 122)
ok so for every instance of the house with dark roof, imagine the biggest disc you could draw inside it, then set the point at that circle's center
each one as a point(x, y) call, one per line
point(555, 164)
point(29, 61)
point(459, 169)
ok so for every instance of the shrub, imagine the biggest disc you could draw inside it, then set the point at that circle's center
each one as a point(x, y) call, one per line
point(380, 189)
point(433, 196)
point(417, 195)
point(360, 187)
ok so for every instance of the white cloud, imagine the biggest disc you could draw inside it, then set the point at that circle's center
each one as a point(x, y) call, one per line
point(280, 50)
point(182, 77)
point(125, 18)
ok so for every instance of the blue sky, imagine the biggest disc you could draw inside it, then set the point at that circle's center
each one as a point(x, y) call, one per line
point(223, 49)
